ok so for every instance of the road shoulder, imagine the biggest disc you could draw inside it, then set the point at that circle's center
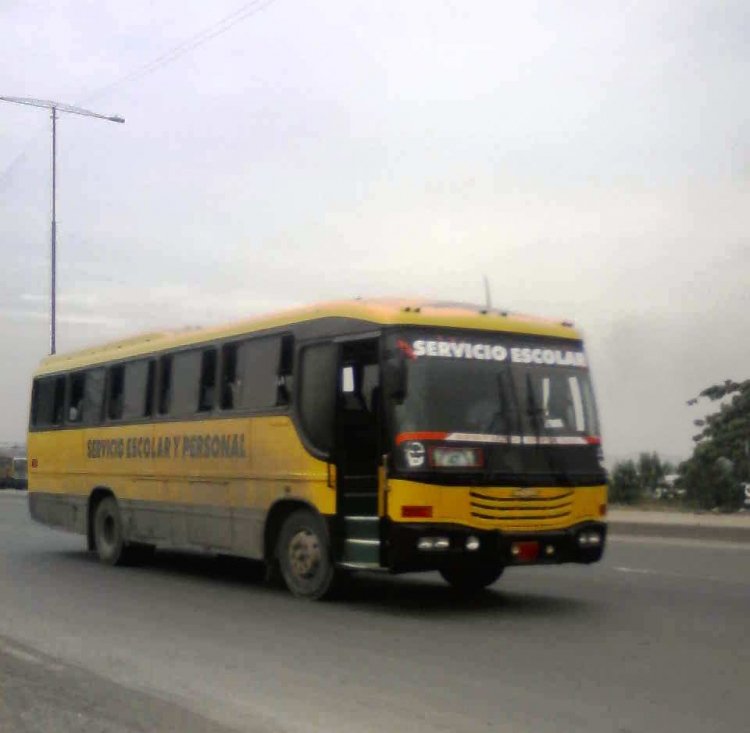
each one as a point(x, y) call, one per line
point(41, 694)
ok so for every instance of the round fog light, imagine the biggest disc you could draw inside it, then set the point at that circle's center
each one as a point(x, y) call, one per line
point(472, 543)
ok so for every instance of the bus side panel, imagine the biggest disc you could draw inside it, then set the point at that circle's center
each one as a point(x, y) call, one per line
point(54, 498)
point(281, 469)
point(200, 483)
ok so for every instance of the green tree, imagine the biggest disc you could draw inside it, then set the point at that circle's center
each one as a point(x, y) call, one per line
point(720, 463)
point(625, 484)
point(650, 472)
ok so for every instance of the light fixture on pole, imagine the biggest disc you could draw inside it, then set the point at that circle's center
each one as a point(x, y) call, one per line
point(56, 107)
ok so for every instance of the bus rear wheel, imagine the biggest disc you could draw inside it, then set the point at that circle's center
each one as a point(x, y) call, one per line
point(109, 537)
point(304, 556)
point(471, 578)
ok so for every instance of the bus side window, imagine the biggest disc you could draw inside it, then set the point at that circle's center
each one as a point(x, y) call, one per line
point(115, 391)
point(134, 395)
point(93, 400)
point(48, 401)
point(286, 362)
point(77, 390)
point(258, 362)
point(207, 390)
point(186, 373)
point(34, 416)
point(164, 388)
point(230, 382)
point(148, 410)
point(59, 408)
point(317, 393)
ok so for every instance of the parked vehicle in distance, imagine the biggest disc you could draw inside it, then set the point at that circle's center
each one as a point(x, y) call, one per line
point(6, 471)
point(20, 473)
point(13, 472)
point(364, 435)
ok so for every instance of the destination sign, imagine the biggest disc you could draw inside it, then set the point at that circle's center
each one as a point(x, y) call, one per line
point(450, 349)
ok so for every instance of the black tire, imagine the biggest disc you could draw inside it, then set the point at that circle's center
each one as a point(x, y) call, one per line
point(303, 552)
point(471, 578)
point(109, 536)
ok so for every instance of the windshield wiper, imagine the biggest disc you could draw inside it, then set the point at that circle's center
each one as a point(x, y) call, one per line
point(501, 413)
point(508, 411)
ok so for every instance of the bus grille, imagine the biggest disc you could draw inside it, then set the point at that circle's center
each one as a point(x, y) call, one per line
point(521, 511)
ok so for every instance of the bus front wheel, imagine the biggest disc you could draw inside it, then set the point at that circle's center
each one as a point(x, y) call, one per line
point(471, 578)
point(304, 555)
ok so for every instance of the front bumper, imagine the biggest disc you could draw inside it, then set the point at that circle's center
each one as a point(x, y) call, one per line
point(554, 546)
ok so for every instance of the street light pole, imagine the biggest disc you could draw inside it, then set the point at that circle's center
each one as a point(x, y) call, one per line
point(55, 107)
point(53, 244)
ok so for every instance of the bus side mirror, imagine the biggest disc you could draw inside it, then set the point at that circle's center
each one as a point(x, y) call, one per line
point(394, 378)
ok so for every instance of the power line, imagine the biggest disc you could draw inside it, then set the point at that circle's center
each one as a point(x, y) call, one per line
point(198, 39)
point(19, 158)
point(189, 44)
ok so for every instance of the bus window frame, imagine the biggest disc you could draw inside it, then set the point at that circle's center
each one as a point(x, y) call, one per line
point(103, 419)
point(211, 408)
point(336, 340)
point(36, 396)
point(277, 408)
point(69, 377)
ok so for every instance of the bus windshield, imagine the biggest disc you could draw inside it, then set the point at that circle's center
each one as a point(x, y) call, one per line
point(482, 397)
point(507, 394)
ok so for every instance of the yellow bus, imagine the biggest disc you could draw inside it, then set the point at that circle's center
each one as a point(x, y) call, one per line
point(365, 435)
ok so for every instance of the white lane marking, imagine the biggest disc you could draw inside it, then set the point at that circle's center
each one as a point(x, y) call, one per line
point(24, 656)
point(687, 542)
point(668, 574)
point(18, 654)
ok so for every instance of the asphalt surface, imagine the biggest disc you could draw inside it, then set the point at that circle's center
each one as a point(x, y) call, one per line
point(654, 638)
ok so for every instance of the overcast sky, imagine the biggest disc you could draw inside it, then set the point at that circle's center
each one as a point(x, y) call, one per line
point(591, 158)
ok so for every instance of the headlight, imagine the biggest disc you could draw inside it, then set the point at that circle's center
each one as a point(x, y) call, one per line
point(456, 457)
point(414, 453)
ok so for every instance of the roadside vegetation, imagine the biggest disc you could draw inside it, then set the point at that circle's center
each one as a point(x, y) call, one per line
point(714, 478)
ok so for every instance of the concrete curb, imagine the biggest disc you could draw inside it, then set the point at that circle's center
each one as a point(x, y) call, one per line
point(685, 531)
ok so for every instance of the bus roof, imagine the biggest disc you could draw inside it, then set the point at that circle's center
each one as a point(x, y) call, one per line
point(379, 311)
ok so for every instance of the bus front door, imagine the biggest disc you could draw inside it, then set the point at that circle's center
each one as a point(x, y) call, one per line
point(357, 452)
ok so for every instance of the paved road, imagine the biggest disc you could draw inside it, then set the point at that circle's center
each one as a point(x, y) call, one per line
point(652, 639)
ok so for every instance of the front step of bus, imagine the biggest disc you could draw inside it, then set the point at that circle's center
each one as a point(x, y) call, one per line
point(361, 547)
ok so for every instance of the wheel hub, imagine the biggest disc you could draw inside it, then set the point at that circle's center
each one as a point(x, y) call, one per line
point(304, 554)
